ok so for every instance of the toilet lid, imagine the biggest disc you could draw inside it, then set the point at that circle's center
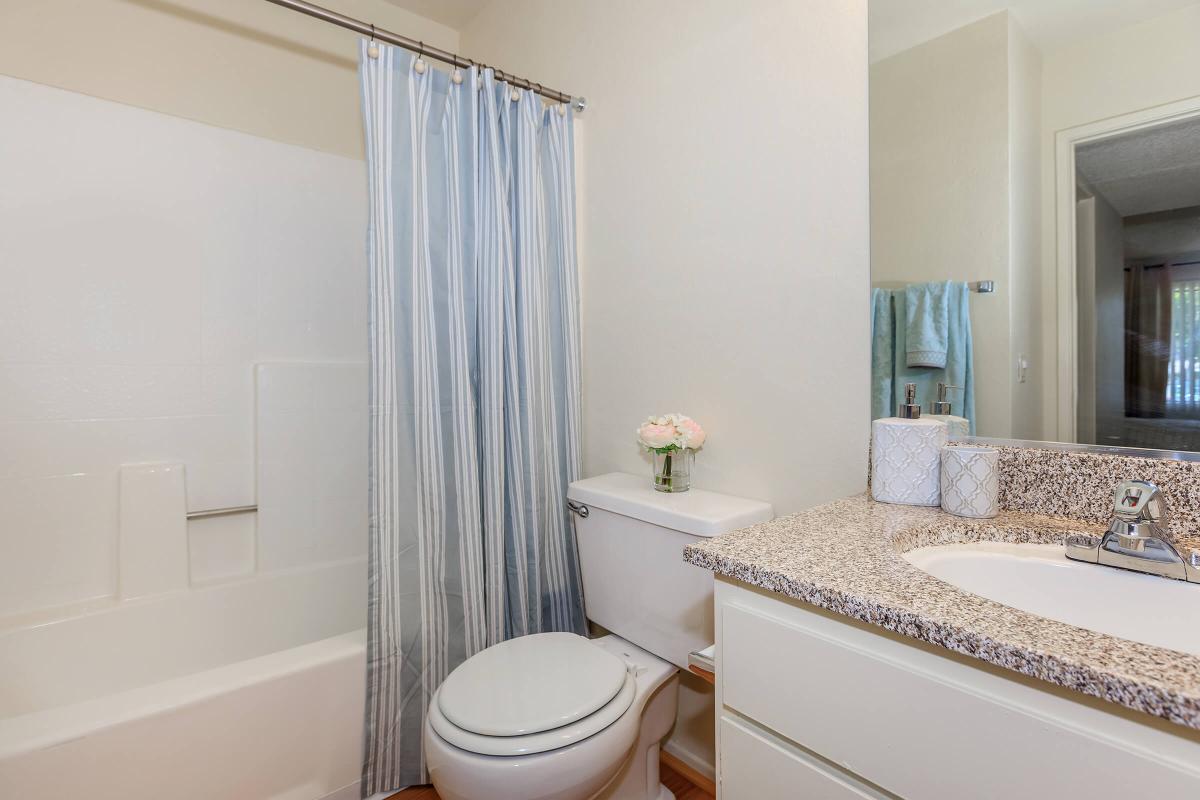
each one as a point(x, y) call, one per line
point(530, 684)
point(532, 743)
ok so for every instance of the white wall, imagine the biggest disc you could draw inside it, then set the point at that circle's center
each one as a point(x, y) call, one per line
point(1137, 67)
point(241, 64)
point(723, 235)
point(1025, 230)
point(146, 264)
point(940, 188)
point(724, 227)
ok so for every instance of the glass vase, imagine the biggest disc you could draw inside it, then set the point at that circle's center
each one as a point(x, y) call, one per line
point(673, 470)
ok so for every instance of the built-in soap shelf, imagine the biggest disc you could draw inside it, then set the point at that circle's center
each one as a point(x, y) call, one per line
point(162, 547)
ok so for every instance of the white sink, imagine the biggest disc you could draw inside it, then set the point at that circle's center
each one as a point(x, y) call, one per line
point(1039, 578)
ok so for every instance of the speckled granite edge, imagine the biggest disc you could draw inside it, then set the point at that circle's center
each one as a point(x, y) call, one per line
point(860, 573)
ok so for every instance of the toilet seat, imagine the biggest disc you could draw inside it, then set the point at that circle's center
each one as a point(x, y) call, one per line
point(532, 694)
point(530, 684)
point(531, 743)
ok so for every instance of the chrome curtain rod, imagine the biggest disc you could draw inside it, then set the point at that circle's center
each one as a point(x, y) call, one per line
point(366, 29)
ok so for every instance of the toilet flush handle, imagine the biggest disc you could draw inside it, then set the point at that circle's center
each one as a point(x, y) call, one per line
point(578, 508)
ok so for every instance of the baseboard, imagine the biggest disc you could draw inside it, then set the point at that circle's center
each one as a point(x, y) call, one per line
point(348, 792)
point(689, 765)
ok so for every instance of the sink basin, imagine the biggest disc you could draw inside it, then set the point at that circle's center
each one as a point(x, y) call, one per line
point(1040, 579)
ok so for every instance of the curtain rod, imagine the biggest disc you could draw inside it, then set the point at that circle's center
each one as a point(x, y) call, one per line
point(366, 29)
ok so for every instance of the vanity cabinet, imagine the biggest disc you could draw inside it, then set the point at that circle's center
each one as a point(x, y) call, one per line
point(815, 705)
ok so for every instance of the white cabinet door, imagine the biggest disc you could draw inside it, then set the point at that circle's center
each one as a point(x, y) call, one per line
point(753, 767)
point(923, 725)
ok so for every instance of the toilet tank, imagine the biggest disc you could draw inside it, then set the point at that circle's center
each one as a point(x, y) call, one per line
point(635, 582)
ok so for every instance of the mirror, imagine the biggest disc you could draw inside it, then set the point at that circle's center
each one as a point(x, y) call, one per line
point(1048, 151)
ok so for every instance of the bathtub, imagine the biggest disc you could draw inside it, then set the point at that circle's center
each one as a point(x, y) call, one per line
point(247, 690)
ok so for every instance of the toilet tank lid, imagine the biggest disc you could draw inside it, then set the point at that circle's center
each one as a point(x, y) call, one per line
point(697, 512)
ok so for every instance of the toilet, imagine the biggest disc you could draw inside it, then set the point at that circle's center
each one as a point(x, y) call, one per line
point(556, 716)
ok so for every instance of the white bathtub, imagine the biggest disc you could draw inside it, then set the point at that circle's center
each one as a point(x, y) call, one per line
point(251, 690)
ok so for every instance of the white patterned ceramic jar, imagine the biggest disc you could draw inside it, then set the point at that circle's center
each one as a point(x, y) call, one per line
point(906, 460)
point(971, 481)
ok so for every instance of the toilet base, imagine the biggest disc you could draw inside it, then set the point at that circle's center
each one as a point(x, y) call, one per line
point(617, 763)
point(639, 774)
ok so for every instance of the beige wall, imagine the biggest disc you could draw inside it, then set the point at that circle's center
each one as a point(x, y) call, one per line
point(940, 188)
point(723, 236)
point(241, 64)
point(1025, 230)
point(1137, 67)
point(724, 227)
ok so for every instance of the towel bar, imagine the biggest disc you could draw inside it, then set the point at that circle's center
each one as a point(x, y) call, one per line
point(221, 512)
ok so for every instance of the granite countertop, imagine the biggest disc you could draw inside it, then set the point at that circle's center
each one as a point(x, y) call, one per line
point(856, 569)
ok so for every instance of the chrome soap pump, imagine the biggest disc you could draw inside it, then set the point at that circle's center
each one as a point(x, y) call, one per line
point(957, 426)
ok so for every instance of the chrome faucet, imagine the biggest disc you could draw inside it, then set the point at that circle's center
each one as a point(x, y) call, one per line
point(1138, 537)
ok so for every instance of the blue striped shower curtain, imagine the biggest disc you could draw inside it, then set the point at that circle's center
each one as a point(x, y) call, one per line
point(474, 365)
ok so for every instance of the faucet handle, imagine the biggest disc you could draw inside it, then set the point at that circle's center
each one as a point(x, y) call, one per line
point(1139, 501)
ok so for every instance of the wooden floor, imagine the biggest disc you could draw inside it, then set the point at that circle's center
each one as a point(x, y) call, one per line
point(681, 786)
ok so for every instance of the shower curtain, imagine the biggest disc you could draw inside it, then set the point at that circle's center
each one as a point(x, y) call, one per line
point(474, 385)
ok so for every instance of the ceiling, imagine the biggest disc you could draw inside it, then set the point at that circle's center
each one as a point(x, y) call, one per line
point(452, 13)
point(897, 25)
point(1160, 234)
point(1146, 171)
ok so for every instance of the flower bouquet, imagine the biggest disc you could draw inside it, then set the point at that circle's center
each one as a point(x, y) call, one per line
point(673, 439)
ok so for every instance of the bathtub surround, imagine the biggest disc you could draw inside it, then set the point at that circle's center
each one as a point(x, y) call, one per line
point(153, 542)
point(142, 287)
point(149, 265)
point(474, 385)
point(311, 441)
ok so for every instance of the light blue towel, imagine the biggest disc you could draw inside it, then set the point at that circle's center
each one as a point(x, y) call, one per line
point(883, 332)
point(889, 355)
point(927, 323)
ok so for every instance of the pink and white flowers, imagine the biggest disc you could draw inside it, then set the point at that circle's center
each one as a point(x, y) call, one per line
point(670, 432)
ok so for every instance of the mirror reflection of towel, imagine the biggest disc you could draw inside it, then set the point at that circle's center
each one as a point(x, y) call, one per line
point(889, 350)
point(927, 324)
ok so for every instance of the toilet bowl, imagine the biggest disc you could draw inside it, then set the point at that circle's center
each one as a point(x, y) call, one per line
point(555, 716)
point(561, 723)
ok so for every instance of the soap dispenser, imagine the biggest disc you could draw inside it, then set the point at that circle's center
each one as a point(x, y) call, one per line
point(958, 426)
point(906, 455)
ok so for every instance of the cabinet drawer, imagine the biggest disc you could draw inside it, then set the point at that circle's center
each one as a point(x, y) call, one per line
point(755, 768)
point(922, 725)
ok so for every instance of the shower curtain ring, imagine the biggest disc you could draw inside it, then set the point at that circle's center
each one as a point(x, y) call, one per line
point(456, 75)
point(372, 48)
point(419, 65)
